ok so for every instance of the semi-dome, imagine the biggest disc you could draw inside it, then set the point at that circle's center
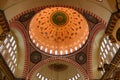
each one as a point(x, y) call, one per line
point(57, 69)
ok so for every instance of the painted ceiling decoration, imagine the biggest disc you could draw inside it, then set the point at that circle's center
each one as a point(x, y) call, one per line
point(58, 30)
point(57, 69)
point(59, 18)
point(90, 18)
point(44, 22)
point(59, 39)
point(35, 57)
point(81, 58)
point(26, 16)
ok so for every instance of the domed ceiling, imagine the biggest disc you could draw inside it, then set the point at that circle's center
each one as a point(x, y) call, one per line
point(57, 69)
point(64, 28)
point(58, 30)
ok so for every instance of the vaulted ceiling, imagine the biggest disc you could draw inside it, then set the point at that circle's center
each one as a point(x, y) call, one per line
point(33, 62)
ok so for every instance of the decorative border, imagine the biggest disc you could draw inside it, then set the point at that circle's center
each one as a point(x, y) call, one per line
point(38, 57)
point(113, 20)
point(81, 55)
point(36, 9)
point(111, 26)
point(98, 28)
point(17, 25)
point(51, 18)
point(4, 26)
point(40, 64)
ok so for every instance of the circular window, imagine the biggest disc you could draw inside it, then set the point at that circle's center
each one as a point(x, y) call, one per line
point(58, 30)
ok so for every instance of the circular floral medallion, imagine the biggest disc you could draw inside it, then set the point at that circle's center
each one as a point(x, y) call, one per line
point(81, 58)
point(35, 57)
point(59, 18)
point(58, 30)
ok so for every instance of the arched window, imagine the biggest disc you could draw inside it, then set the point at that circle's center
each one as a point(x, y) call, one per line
point(8, 49)
point(107, 51)
point(41, 77)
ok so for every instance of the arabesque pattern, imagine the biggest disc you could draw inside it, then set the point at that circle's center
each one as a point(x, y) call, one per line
point(68, 36)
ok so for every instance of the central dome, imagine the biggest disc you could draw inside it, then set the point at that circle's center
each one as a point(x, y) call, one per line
point(58, 30)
